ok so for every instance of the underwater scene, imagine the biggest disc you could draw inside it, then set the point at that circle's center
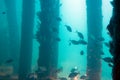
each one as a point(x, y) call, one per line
point(55, 40)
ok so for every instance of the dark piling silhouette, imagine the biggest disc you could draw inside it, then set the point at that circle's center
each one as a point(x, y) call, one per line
point(94, 25)
point(14, 37)
point(28, 12)
point(114, 29)
point(47, 38)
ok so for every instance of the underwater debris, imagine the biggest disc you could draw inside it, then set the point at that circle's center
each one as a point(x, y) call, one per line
point(58, 19)
point(83, 77)
point(108, 59)
point(68, 28)
point(80, 35)
point(81, 52)
point(9, 61)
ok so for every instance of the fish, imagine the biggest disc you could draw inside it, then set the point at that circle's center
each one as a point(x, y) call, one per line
point(9, 61)
point(75, 42)
point(72, 75)
point(68, 28)
point(3, 12)
point(75, 69)
point(110, 65)
point(107, 44)
point(83, 76)
point(83, 42)
point(108, 59)
point(58, 19)
point(80, 35)
point(81, 52)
